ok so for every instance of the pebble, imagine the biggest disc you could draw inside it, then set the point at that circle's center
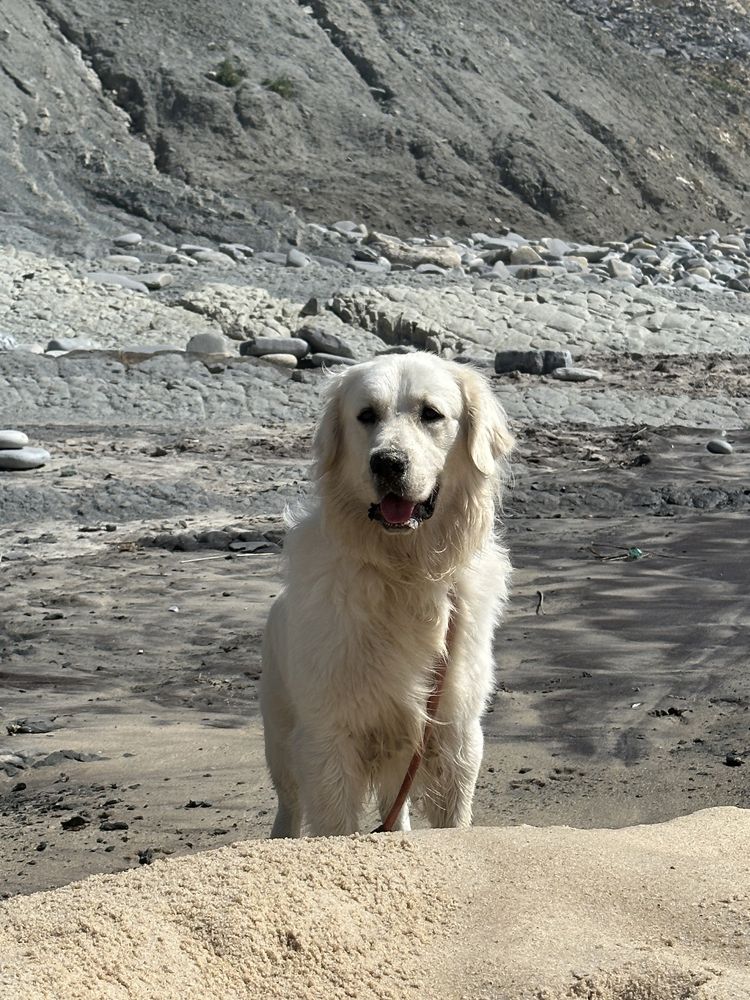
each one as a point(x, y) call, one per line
point(532, 362)
point(13, 439)
point(209, 343)
point(525, 255)
point(325, 360)
point(321, 341)
point(733, 760)
point(430, 269)
point(275, 345)
point(282, 360)
point(21, 459)
point(156, 279)
point(127, 240)
point(347, 228)
point(718, 446)
point(367, 267)
point(295, 258)
point(70, 344)
point(577, 374)
point(212, 257)
point(114, 278)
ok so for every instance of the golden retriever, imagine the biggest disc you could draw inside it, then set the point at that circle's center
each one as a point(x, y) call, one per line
point(408, 470)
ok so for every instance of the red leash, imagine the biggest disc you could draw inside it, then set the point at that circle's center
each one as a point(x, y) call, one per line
point(433, 701)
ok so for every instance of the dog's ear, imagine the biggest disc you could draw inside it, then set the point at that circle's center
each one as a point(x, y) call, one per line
point(488, 436)
point(327, 440)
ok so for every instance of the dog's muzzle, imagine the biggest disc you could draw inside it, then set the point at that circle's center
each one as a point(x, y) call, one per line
point(397, 513)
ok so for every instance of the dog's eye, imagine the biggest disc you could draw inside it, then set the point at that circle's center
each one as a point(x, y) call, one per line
point(430, 415)
point(367, 416)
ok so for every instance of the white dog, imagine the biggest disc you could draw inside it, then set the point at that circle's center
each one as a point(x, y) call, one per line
point(407, 473)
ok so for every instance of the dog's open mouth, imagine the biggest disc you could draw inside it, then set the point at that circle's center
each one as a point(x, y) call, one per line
point(397, 513)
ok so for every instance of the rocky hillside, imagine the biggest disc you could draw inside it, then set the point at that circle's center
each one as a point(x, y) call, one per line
point(237, 119)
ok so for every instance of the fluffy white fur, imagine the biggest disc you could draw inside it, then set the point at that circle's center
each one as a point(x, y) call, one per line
point(351, 643)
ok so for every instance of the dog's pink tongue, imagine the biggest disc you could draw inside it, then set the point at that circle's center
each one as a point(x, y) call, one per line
point(396, 510)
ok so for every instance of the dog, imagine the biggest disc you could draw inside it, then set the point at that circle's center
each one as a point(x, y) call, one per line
point(400, 540)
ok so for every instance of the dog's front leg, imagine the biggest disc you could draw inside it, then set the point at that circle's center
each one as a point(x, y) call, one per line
point(334, 782)
point(451, 775)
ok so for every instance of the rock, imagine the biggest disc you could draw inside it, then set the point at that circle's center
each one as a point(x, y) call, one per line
point(592, 254)
point(352, 229)
point(181, 258)
point(7, 342)
point(321, 341)
point(295, 258)
point(430, 269)
point(620, 270)
point(31, 726)
point(525, 255)
point(157, 279)
point(282, 360)
point(70, 344)
point(212, 257)
point(367, 267)
point(733, 760)
point(209, 343)
point(122, 260)
point(114, 278)
point(275, 345)
point(556, 359)
point(315, 306)
point(718, 446)
point(13, 439)
point(412, 256)
point(530, 362)
point(114, 824)
point(75, 823)
point(270, 257)
point(127, 240)
point(21, 459)
point(325, 360)
point(577, 374)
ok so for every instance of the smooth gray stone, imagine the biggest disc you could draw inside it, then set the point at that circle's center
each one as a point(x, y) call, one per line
point(366, 266)
point(71, 344)
point(13, 439)
point(295, 258)
point(525, 255)
point(211, 257)
point(558, 248)
point(620, 270)
point(322, 342)
point(270, 257)
point(18, 459)
point(113, 278)
point(127, 240)
point(208, 343)
point(577, 374)
point(346, 228)
point(718, 446)
point(329, 360)
point(430, 269)
point(191, 248)
point(275, 345)
point(156, 279)
point(591, 253)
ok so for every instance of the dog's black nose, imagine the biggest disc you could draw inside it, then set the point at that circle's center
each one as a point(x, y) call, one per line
point(388, 465)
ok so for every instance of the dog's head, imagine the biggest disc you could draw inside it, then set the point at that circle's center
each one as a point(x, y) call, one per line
point(405, 436)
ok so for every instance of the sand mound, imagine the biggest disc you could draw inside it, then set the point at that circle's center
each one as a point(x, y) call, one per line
point(646, 913)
